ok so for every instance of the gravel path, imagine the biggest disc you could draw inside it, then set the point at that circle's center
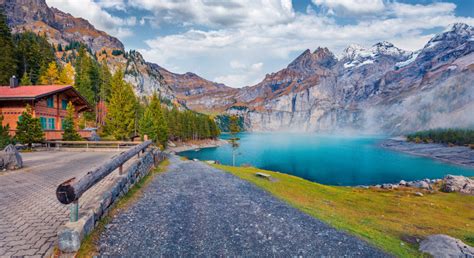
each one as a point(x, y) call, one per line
point(196, 210)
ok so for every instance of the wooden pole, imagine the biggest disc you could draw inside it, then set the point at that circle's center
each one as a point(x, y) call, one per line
point(74, 188)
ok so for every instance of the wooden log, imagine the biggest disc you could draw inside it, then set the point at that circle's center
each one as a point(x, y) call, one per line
point(74, 188)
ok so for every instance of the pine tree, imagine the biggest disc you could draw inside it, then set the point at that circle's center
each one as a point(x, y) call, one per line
point(121, 109)
point(51, 75)
point(33, 53)
point(70, 133)
point(234, 140)
point(25, 80)
point(8, 64)
point(5, 138)
point(28, 129)
point(105, 77)
point(153, 122)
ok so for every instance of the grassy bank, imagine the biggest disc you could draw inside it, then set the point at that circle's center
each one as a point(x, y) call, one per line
point(89, 244)
point(393, 220)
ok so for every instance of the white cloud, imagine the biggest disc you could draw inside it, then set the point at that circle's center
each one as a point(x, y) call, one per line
point(351, 6)
point(218, 13)
point(235, 55)
point(96, 15)
point(230, 41)
point(409, 10)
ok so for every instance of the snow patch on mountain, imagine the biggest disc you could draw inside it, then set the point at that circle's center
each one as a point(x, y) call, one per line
point(410, 60)
point(355, 55)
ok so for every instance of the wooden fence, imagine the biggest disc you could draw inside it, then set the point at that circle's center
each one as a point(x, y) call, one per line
point(71, 190)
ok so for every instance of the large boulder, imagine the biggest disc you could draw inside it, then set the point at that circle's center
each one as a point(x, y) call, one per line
point(10, 158)
point(458, 184)
point(445, 246)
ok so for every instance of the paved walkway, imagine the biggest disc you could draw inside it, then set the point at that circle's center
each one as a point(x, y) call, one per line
point(30, 214)
point(196, 210)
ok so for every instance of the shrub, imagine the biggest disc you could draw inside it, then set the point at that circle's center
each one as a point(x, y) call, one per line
point(445, 136)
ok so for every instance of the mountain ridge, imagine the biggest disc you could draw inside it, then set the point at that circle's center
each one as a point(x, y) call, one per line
point(380, 89)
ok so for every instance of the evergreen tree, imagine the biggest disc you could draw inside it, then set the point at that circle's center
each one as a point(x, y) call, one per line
point(25, 80)
point(50, 75)
point(121, 109)
point(234, 140)
point(28, 129)
point(8, 64)
point(82, 81)
point(70, 133)
point(60, 47)
point(105, 77)
point(66, 77)
point(153, 122)
point(33, 53)
point(5, 138)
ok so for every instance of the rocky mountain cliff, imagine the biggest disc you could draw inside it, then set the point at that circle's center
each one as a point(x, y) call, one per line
point(62, 28)
point(382, 89)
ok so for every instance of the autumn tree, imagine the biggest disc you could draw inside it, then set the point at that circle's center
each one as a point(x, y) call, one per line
point(121, 109)
point(66, 76)
point(51, 75)
point(25, 80)
point(28, 129)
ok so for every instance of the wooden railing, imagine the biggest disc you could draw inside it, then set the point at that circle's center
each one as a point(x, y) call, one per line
point(71, 190)
point(91, 144)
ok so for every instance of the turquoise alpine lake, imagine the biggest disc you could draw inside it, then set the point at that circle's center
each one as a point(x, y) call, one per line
point(332, 160)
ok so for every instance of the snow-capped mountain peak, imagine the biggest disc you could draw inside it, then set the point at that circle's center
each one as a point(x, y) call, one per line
point(355, 55)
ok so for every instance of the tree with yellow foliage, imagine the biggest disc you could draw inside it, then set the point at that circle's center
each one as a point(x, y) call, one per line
point(50, 75)
point(66, 77)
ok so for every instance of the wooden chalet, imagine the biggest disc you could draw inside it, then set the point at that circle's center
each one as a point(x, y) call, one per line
point(48, 103)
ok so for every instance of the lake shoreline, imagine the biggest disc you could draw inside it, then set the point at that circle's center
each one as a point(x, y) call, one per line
point(457, 155)
point(196, 145)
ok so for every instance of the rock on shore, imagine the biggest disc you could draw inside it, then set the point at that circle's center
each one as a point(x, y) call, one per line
point(448, 184)
point(445, 246)
point(458, 184)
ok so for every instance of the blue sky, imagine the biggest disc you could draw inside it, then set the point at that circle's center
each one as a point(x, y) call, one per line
point(237, 42)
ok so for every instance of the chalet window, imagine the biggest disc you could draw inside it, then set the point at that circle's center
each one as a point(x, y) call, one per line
point(50, 102)
point(43, 123)
point(51, 123)
point(64, 104)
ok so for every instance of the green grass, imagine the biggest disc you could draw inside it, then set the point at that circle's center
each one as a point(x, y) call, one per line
point(89, 244)
point(390, 219)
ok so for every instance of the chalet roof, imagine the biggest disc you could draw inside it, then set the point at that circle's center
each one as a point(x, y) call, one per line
point(35, 92)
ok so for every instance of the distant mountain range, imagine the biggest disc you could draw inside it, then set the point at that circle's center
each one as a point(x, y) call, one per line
point(382, 89)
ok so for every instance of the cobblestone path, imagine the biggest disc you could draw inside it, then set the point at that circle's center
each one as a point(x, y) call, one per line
point(30, 214)
point(196, 210)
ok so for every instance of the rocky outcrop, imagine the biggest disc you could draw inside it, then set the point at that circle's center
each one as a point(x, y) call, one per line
point(10, 158)
point(441, 246)
point(59, 27)
point(381, 89)
point(458, 184)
